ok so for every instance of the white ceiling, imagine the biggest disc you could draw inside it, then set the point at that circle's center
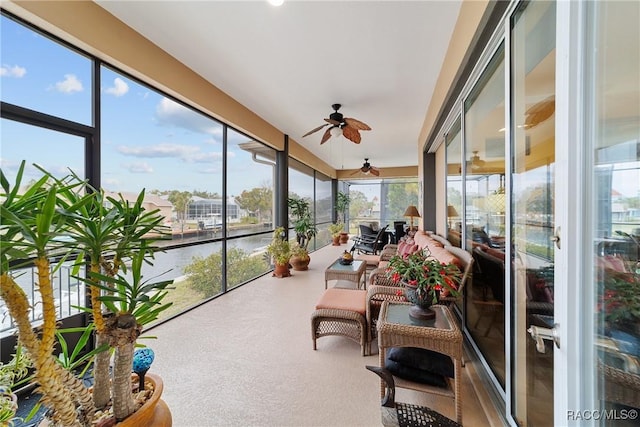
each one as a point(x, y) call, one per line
point(289, 64)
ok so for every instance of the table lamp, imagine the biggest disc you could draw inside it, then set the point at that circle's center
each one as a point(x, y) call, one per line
point(451, 213)
point(411, 212)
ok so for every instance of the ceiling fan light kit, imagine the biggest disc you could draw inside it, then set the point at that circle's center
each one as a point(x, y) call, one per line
point(341, 126)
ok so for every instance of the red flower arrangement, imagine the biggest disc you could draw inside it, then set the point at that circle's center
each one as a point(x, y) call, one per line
point(430, 276)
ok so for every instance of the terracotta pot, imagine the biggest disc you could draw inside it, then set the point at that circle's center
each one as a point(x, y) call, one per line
point(154, 413)
point(299, 263)
point(344, 237)
point(336, 240)
point(281, 270)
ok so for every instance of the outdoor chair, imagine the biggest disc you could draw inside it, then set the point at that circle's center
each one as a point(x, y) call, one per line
point(368, 243)
point(404, 414)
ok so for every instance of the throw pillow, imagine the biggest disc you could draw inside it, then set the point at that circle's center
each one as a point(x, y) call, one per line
point(412, 374)
point(422, 359)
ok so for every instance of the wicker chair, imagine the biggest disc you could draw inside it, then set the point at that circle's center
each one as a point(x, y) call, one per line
point(404, 414)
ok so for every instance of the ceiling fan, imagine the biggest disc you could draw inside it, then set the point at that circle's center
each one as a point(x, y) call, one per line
point(540, 112)
point(348, 127)
point(367, 169)
point(475, 161)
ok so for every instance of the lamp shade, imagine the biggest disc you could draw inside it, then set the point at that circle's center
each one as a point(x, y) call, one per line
point(412, 211)
point(452, 212)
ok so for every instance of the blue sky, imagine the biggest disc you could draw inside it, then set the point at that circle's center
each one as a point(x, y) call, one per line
point(148, 140)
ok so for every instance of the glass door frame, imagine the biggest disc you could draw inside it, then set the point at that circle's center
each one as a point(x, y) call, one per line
point(573, 361)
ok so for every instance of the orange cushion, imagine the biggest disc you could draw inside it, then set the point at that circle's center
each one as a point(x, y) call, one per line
point(344, 299)
point(383, 264)
point(369, 259)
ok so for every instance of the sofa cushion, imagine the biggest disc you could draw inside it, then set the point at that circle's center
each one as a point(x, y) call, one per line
point(408, 250)
point(344, 299)
point(444, 256)
point(422, 359)
point(412, 374)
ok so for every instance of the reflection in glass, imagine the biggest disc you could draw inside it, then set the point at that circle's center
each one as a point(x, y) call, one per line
point(616, 204)
point(533, 182)
point(454, 185)
point(484, 216)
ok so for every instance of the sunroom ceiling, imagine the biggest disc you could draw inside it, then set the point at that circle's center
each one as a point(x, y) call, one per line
point(289, 64)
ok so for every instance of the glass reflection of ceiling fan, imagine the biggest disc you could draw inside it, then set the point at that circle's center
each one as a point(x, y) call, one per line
point(476, 162)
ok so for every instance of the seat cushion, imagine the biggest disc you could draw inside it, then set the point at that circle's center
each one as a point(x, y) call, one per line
point(422, 359)
point(344, 299)
point(369, 259)
point(412, 374)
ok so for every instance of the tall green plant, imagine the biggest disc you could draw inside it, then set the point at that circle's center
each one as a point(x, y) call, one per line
point(31, 226)
point(342, 205)
point(108, 232)
point(302, 221)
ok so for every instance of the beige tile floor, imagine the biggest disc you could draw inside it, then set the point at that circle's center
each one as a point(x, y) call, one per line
point(246, 359)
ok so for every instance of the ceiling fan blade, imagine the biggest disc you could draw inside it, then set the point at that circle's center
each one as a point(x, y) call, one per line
point(356, 172)
point(326, 136)
point(314, 130)
point(356, 123)
point(333, 122)
point(351, 134)
point(374, 171)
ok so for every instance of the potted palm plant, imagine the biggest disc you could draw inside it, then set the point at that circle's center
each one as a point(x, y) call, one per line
point(342, 205)
point(335, 229)
point(280, 251)
point(53, 221)
point(304, 227)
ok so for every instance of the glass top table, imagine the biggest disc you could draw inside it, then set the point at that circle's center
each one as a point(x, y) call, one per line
point(441, 334)
point(352, 272)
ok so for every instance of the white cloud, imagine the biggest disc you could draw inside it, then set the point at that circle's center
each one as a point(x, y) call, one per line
point(15, 71)
point(138, 167)
point(186, 153)
point(112, 182)
point(70, 84)
point(211, 171)
point(159, 150)
point(170, 113)
point(119, 88)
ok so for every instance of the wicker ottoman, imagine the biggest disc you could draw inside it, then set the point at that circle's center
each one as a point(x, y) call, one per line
point(341, 312)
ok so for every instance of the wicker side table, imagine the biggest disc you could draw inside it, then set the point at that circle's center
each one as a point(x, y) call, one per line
point(352, 272)
point(397, 329)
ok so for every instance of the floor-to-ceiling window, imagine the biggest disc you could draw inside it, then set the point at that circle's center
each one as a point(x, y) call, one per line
point(453, 141)
point(533, 64)
point(484, 148)
point(194, 169)
point(323, 209)
point(382, 203)
point(613, 126)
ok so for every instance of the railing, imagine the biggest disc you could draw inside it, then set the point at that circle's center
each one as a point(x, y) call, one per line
point(69, 294)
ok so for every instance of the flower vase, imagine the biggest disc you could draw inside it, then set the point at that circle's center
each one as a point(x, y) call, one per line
point(421, 308)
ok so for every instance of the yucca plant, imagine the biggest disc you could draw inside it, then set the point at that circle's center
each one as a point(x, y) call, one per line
point(30, 224)
point(106, 232)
